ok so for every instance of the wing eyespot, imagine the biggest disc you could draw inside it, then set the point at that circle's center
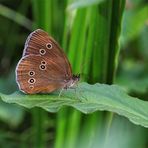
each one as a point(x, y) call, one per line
point(42, 51)
point(49, 45)
point(31, 87)
point(43, 62)
point(42, 67)
point(31, 73)
point(31, 81)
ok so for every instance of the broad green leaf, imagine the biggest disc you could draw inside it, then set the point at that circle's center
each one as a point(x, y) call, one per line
point(15, 16)
point(133, 72)
point(133, 23)
point(87, 99)
point(7, 111)
point(82, 3)
point(139, 85)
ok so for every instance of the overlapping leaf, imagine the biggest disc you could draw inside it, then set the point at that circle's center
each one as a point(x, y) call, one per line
point(87, 99)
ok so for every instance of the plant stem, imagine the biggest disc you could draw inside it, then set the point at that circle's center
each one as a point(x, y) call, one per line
point(116, 19)
point(42, 12)
point(39, 118)
point(60, 128)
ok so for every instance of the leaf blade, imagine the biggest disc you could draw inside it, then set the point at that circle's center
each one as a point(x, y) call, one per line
point(91, 98)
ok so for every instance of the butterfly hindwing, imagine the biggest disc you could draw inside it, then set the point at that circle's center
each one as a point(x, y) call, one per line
point(35, 74)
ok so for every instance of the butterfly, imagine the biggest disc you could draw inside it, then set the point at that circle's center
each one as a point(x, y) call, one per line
point(43, 67)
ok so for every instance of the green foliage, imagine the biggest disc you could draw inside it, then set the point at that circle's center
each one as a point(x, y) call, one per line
point(8, 111)
point(89, 32)
point(83, 3)
point(15, 16)
point(87, 99)
point(133, 23)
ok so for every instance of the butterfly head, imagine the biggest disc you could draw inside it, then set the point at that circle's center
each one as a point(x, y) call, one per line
point(72, 81)
point(75, 79)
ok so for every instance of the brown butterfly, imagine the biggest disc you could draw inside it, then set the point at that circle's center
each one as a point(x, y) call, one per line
point(43, 67)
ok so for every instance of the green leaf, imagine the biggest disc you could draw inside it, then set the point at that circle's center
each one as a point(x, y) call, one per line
point(133, 23)
point(82, 3)
point(15, 16)
point(87, 99)
point(7, 111)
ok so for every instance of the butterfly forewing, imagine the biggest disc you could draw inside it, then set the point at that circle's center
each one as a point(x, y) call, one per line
point(40, 43)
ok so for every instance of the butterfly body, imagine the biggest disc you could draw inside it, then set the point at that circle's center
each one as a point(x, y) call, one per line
point(44, 67)
point(71, 82)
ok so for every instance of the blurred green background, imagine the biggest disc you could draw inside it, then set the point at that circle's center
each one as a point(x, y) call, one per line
point(106, 41)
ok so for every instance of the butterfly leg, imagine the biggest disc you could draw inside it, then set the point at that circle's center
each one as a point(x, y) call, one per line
point(60, 92)
point(78, 92)
point(76, 96)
